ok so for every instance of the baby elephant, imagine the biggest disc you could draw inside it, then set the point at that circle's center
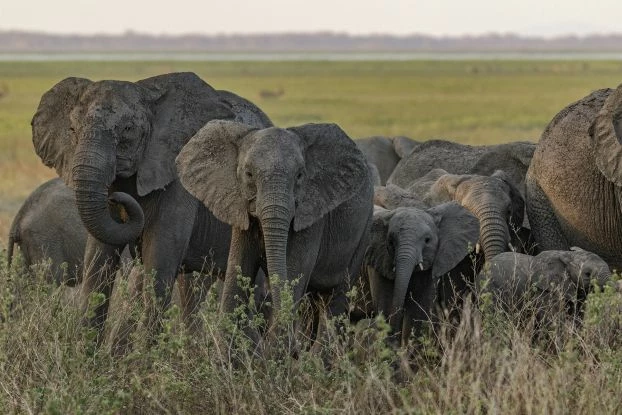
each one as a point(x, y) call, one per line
point(410, 250)
point(514, 279)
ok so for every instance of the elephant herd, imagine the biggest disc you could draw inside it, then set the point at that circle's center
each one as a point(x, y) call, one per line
point(188, 178)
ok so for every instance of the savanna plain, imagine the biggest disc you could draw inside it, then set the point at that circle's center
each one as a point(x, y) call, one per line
point(487, 363)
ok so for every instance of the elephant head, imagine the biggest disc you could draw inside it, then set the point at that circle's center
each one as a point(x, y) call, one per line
point(606, 137)
point(494, 200)
point(287, 179)
point(415, 247)
point(95, 132)
point(570, 271)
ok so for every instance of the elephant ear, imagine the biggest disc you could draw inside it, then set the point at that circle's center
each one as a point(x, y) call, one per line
point(245, 111)
point(377, 255)
point(403, 145)
point(458, 232)
point(606, 135)
point(518, 202)
point(207, 168)
point(335, 171)
point(185, 104)
point(52, 132)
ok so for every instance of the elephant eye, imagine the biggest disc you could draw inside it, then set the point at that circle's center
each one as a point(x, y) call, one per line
point(299, 176)
point(427, 240)
point(249, 174)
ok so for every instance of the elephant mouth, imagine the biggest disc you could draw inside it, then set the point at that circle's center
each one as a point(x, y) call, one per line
point(252, 206)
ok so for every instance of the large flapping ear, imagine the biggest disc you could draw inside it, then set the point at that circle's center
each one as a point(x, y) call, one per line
point(52, 132)
point(207, 168)
point(403, 145)
point(184, 104)
point(377, 255)
point(518, 202)
point(335, 170)
point(606, 135)
point(458, 233)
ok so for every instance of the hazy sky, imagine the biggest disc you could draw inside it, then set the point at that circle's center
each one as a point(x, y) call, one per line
point(436, 17)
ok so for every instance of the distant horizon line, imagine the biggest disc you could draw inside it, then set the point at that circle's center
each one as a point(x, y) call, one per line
point(132, 32)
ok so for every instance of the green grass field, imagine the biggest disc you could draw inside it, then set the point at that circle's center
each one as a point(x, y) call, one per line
point(470, 102)
point(50, 362)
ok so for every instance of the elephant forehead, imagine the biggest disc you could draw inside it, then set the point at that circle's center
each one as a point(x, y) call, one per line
point(407, 218)
point(275, 144)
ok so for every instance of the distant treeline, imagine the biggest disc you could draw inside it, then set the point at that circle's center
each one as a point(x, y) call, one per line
point(19, 41)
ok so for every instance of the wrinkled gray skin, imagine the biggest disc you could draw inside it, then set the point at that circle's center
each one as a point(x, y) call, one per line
point(514, 278)
point(48, 226)
point(494, 200)
point(410, 250)
point(574, 184)
point(513, 158)
point(115, 142)
point(299, 201)
point(385, 152)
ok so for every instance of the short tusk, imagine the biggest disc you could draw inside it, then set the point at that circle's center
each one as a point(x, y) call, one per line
point(477, 248)
point(421, 266)
point(393, 269)
point(511, 247)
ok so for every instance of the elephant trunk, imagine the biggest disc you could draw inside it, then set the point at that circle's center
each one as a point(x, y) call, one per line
point(275, 217)
point(494, 231)
point(93, 172)
point(406, 259)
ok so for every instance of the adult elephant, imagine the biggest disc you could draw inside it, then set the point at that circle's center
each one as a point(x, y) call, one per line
point(410, 251)
point(115, 142)
point(299, 201)
point(513, 158)
point(385, 152)
point(574, 195)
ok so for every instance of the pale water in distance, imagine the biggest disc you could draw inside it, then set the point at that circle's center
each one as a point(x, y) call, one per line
point(309, 56)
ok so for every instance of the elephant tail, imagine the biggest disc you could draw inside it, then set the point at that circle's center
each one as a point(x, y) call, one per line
point(13, 239)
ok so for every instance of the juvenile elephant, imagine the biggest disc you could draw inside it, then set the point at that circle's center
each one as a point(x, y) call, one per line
point(299, 201)
point(410, 250)
point(494, 200)
point(48, 226)
point(574, 193)
point(513, 158)
point(516, 280)
point(115, 142)
point(385, 152)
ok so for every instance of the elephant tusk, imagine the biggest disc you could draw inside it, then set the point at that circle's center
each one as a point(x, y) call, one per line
point(421, 266)
point(477, 248)
point(393, 269)
point(511, 247)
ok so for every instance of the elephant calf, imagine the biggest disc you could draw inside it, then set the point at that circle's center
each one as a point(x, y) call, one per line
point(516, 280)
point(410, 251)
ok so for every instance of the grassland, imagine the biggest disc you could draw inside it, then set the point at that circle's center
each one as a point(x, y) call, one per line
point(471, 102)
point(49, 363)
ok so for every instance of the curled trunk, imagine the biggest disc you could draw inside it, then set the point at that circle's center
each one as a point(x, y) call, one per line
point(93, 172)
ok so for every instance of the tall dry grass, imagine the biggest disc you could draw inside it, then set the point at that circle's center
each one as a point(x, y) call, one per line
point(488, 363)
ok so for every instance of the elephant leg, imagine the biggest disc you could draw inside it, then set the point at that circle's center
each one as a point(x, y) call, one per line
point(100, 266)
point(545, 227)
point(244, 259)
